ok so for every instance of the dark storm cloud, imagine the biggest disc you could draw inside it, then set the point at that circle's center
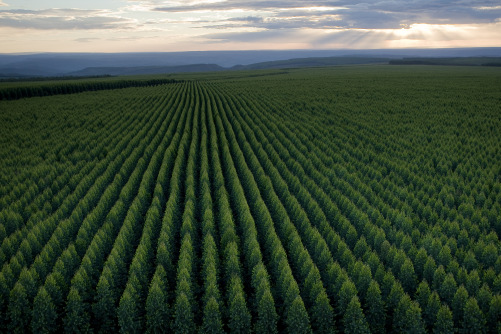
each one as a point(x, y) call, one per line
point(350, 14)
point(61, 19)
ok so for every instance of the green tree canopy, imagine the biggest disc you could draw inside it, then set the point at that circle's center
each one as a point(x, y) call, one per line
point(354, 321)
point(444, 323)
point(407, 317)
point(297, 318)
point(474, 320)
point(44, 313)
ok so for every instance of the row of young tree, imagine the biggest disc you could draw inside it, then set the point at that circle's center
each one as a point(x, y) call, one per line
point(17, 91)
point(229, 207)
point(472, 279)
point(74, 222)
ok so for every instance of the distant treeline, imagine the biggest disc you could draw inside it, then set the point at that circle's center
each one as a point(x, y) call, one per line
point(459, 61)
point(15, 93)
point(60, 78)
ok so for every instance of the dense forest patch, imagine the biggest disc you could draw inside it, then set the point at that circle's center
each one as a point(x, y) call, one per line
point(353, 199)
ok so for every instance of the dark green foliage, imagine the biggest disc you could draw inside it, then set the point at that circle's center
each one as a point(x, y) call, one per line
point(474, 319)
point(444, 323)
point(419, 261)
point(267, 315)
point(76, 87)
point(346, 294)
point(360, 248)
point(429, 269)
point(407, 276)
point(240, 319)
point(354, 321)
point(470, 262)
point(77, 319)
point(484, 298)
point(423, 292)
point(395, 296)
point(494, 315)
point(473, 283)
point(157, 310)
point(444, 257)
point(19, 310)
point(431, 309)
point(362, 277)
point(212, 318)
point(438, 278)
point(448, 289)
point(297, 318)
point(374, 309)
point(104, 308)
point(127, 313)
point(407, 317)
point(183, 316)
point(323, 315)
point(489, 255)
point(458, 304)
point(44, 313)
point(253, 202)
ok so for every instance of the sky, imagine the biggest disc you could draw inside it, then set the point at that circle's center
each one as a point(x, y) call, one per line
point(202, 25)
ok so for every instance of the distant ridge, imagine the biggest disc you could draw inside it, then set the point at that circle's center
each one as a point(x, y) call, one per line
point(85, 64)
point(278, 64)
point(311, 62)
point(146, 70)
point(457, 61)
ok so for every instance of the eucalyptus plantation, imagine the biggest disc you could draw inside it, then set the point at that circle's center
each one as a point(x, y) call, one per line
point(333, 200)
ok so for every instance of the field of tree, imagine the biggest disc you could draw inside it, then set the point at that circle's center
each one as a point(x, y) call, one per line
point(356, 199)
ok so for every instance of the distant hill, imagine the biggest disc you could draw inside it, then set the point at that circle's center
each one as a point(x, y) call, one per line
point(311, 62)
point(90, 71)
point(456, 61)
point(290, 63)
point(64, 64)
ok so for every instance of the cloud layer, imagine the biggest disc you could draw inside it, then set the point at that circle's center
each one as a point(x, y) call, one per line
point(62, 19)
point(173, 25)
point(384, 14)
